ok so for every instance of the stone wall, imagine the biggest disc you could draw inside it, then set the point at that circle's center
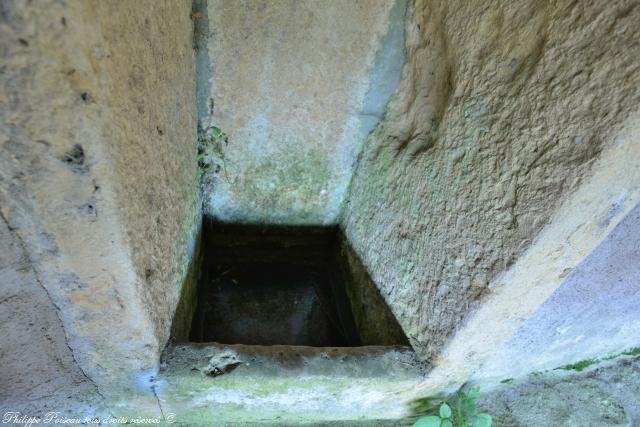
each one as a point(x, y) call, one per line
point(592, 315)
point(36, 360)
point(501, 111)
point(98, 188)
point(507, 154)
point(297, 87)
point(374, 321)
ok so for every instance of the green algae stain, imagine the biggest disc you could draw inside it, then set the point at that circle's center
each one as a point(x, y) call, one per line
point(579, 366)
point(195, 397)
point(291, 185)
point(583, 364)
point(632, 352)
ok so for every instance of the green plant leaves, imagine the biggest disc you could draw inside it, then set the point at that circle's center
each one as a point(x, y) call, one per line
point(211, 143)
point(482, 420)
point(216, 133)
point(463, 414)
point(445, 411)
point(430, 421)
point(469, 407)
point(474, 393)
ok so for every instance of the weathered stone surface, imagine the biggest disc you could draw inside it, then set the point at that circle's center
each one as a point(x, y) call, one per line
point(508, 153)
point(374, 321)
point(282, 386)
point(286, 384)
point(297, 88)
point(501, 111)
point(584, 219)
point(151, 93)
point(593, 314)
point(98, 183)
point(35, 362)
point(604, 395)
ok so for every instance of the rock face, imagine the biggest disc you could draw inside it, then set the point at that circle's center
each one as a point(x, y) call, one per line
point(98, 190)
point(501, 111)
point(473, 153)
point(590, 316)
point(297, 88)
point(39, 363)
point(604, 395)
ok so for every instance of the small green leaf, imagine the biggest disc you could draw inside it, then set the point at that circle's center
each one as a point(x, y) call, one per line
point(445, 411)
point(474, 393)
point(446, 423)
point(482, 420)
point(430, 421)
point(469, 407)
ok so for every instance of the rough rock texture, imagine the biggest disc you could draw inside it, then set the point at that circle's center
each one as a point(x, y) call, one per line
point(98, 188)
point(281, 385)
point(501, 110)
point(152, 80)
point(374, 320)
point(604, 395)
point(285, 384)
point(297, 87)
point(35, 361)
point(587, 217)
point(513, 128)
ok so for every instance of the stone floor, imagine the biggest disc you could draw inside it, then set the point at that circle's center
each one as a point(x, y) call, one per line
point(286, 384)
point(239, 385)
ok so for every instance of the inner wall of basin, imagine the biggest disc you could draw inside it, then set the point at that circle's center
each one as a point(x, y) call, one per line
point(268, 285)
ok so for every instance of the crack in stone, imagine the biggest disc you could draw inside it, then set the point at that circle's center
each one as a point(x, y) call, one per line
point(153, 389)
point(23, 247)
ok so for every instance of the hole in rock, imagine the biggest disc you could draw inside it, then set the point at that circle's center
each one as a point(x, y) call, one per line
point(269, 285)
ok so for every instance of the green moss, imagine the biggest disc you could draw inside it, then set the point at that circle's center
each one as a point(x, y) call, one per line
point(425, 405)
point(632, 352)
point(198, 399)
point(259, 386)
point(583, 364)
point(286, 186)
point(579, 366)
